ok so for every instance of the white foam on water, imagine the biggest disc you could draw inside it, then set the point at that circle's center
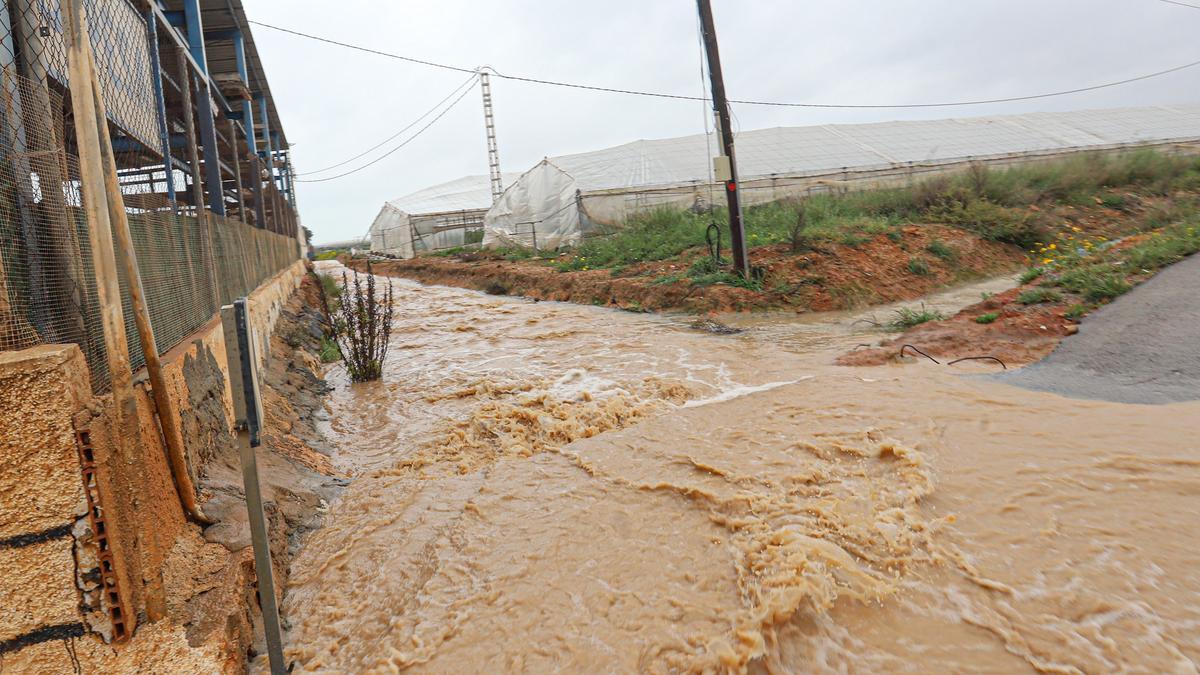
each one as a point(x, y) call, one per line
point(742, 390)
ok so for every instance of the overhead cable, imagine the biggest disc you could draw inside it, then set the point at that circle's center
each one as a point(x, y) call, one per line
point(406, 141)
point(467, 83)
point(782, 104)
point(1181, 4)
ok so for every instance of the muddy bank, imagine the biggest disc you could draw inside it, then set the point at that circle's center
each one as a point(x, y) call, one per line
point(1013, 332)
point(1026, 323)
point(296, 476)
point(828, 276)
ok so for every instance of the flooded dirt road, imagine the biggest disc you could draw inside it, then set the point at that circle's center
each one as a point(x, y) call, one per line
point(546, 487)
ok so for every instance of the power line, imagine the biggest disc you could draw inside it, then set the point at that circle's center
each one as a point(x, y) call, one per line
point(408, 140)
point(782, 104)
point(361, 49)
point(1181, 4)
point(410, 125)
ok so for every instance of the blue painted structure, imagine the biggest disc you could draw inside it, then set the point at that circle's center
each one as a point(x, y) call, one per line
point(208, 131)
point(160, 101)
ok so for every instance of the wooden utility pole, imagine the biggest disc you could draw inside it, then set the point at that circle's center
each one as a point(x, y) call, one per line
point(737, 234)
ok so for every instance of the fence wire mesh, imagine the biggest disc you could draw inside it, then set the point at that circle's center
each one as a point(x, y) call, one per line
point(191, 260)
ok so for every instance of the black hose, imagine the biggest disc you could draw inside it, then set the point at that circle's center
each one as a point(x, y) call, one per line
point(714, 247)
point(919, 352)
point(979, 358)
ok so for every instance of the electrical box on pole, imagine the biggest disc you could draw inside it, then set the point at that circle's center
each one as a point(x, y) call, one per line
point(724, 166)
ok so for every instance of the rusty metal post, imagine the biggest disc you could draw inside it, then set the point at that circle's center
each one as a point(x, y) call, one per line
point(241, 342)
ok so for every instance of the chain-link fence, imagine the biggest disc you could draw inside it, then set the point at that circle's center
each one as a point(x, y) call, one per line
point(175, 159)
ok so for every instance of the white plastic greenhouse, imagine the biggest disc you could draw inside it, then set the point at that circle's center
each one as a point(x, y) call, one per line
point(561, 199)
point(436, 218)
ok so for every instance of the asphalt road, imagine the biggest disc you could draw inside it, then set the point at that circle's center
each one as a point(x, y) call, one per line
point(1144, 347)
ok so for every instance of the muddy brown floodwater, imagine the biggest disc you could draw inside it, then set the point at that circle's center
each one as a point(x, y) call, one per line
point(546, 487)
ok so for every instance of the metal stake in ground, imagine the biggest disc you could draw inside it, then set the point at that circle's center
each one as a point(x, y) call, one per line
point(737, 235)
point(240, 346)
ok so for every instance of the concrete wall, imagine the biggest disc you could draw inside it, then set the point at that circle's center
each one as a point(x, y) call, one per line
point(193, 598)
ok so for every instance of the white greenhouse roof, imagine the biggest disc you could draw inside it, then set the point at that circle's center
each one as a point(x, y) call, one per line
point(828, 148)
point(468, 192)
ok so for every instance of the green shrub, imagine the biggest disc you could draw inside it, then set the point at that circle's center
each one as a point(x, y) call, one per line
point(1038, 295)
point(918, 266)
point(329, 351)
point(907, 318)
point(1164, 248)
point(992, 221)
point(1096, 283)
point(1075, 312)
point(939, 249)
point(652, 235)
point(987, 318)
point(727, 278)
point(705, 264)
point(1030, 274)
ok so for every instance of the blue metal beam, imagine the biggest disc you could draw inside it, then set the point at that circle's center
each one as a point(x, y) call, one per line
point(204, 98)
point(195, 33)
point(239, 50)
point(129, 144)
point(164, 131)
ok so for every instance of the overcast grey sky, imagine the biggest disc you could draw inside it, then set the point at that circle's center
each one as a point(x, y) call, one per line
point(336, 103)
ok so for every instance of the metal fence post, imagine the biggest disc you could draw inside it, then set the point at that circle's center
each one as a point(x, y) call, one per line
point(241, 347)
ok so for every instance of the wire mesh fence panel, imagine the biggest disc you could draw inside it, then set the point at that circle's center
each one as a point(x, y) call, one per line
point(121, 53)
point(189, 260)
point(45, 293)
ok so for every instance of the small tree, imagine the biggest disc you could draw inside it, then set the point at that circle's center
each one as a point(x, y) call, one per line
point(363, 326)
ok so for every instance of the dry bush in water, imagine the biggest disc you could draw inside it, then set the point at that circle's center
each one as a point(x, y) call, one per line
point(363, 326)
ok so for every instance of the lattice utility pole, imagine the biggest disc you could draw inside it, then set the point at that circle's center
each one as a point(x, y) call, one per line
point(493, 152)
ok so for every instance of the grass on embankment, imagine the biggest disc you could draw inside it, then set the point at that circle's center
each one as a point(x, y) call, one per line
point(1094, 271)
point(992, 203)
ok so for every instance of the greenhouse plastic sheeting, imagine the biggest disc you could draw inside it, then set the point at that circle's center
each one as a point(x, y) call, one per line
point(516, 218)
point(435, 218)
point(557, 201)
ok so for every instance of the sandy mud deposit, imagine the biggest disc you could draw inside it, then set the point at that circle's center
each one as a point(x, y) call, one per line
point(547, 487)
